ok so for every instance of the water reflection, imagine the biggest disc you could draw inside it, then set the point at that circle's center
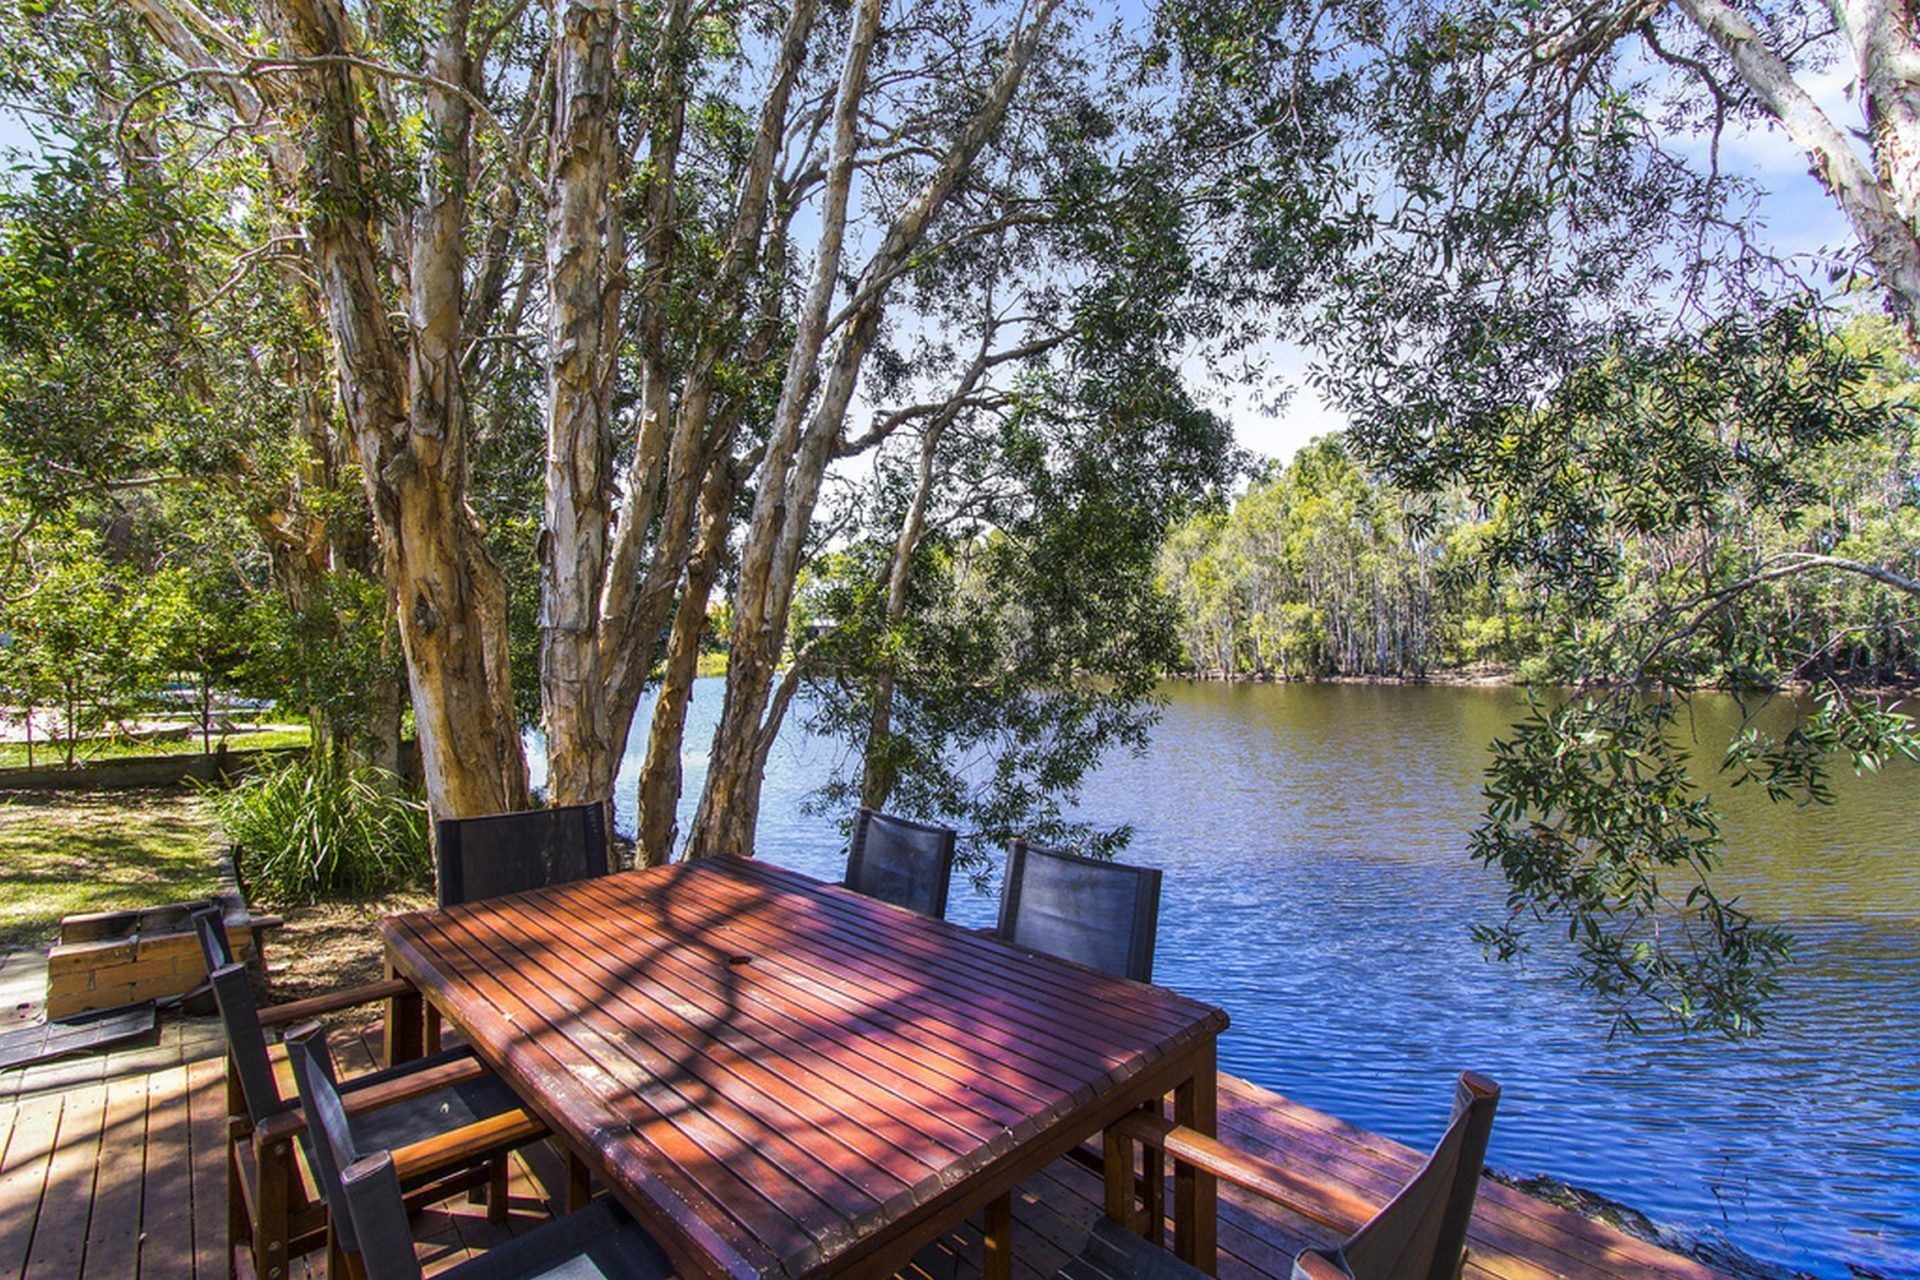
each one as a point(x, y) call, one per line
point(1317, 889)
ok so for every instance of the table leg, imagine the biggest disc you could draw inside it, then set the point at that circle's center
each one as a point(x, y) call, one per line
point(406, 1030)
point(1154, 1177)
point(1195, 1194)
point(997, 1264)
point(1118, 1150)
point(579, 1183)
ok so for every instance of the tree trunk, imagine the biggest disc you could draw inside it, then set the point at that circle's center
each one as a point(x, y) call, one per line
point(583, 332)
point(796, 460)
point(661, 776)
point(878, 772)
point(407, 412)
point(729, 808)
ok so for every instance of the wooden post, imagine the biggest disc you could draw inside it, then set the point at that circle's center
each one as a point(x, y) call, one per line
point(997, 1260)
point(1195, 1194)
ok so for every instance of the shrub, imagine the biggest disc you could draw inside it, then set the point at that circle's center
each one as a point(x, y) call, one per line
point(312, 829)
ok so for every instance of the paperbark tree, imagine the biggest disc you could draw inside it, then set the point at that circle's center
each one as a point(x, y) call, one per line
point(404, 397)
point(809, 418)
point(584, 264)
point(1880, 202)
point(322, 109)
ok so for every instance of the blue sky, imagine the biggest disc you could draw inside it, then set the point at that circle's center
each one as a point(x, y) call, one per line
point(1279, 416)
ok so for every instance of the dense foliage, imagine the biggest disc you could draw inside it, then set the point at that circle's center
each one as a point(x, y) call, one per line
point(312, 829)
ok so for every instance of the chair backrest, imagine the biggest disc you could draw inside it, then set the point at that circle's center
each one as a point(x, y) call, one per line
point(210, 926)
point(513, 852)
point(329, 1133)
point(1100, 913)
point(362, 1189)
point(372, 1192)
point(909, 864)
point(1421, 1234)
point(246, 1042)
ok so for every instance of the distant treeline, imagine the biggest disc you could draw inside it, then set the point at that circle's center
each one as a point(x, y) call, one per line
point(1319, 571)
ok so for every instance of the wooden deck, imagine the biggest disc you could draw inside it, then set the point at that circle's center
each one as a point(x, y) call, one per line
point(125, 1177)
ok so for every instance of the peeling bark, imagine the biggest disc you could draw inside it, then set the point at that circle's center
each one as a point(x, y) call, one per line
point(406, 408)
point(584, 254)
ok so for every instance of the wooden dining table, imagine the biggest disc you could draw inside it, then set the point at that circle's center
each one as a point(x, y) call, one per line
point(781, 1078)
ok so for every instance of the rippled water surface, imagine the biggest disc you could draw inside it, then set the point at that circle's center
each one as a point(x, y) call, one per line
point(1317, 889)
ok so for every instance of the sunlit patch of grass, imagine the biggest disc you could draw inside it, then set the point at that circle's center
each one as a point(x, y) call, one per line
point(63, 852)
point(52, 754)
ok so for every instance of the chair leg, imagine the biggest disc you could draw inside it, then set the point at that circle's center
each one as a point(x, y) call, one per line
point(997, 1262)
point(272, 1231)
point(498, 1174)
point(238, 1228)
point(338, 1267)
point(1155, 1177)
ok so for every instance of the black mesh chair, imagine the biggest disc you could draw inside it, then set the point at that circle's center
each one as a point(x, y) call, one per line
point(363, 1181)
point(1420, 1234)
point(430, 1097)
point(1100, 913)
point(512, 852)
point(909, 864)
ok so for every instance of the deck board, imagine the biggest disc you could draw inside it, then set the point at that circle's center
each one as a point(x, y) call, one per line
point(127, 1178)
point(66, 1205)
point(113, 1232)
point(23, 1177)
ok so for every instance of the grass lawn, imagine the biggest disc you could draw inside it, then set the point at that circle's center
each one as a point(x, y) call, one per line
point(13, 755)
point(63, 853)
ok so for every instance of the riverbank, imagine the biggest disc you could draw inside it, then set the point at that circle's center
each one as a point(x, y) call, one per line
point(1510, 678)
point(1454, 677)
point(1713, 1250)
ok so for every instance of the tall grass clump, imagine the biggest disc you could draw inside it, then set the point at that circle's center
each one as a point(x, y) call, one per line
point(315, 828)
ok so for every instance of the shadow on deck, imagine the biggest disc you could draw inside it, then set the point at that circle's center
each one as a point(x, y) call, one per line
point(124, 1175)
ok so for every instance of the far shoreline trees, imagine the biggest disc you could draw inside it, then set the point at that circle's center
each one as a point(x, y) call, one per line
point(1324, 568)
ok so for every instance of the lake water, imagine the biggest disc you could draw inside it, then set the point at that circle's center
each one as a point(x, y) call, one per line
point(1317, 889)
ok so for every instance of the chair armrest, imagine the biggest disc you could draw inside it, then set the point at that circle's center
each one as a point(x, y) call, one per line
point(358, 1099)
point(461, 1147)
point(334, 1001)
point(1316, 1201)
point(381, 1093)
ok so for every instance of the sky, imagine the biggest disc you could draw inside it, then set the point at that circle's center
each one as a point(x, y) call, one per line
point(1277, 418)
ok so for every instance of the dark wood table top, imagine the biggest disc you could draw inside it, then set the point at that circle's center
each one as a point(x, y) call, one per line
point(772, 1072)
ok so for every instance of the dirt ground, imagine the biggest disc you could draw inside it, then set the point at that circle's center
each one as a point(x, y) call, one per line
point(333, 945)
